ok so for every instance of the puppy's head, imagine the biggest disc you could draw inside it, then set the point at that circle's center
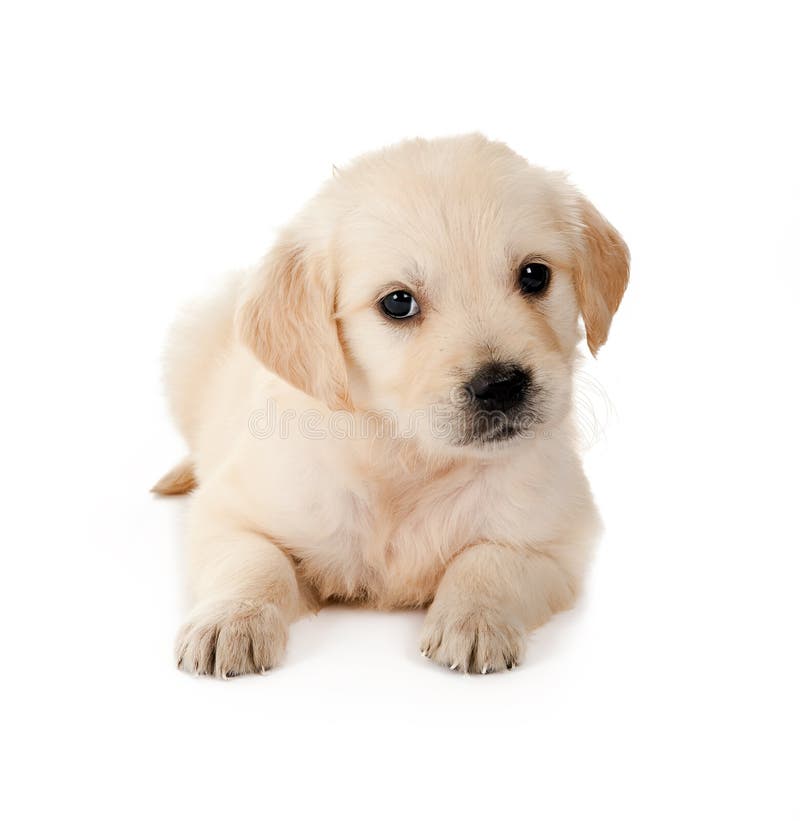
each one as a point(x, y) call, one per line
point(440, 281)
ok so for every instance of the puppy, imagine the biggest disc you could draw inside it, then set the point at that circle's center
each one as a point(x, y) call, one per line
point(380, 412)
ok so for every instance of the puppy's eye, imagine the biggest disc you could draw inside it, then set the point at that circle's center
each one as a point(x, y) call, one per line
point(533, 277)
point(399, 305)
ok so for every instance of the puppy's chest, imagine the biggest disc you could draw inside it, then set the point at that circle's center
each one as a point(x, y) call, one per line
point(391, 541)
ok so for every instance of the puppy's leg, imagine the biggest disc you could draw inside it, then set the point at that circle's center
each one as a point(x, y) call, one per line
point(246, 594)
point(488, 599)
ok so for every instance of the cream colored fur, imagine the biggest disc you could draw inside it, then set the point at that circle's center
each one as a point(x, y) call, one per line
point(494, 538)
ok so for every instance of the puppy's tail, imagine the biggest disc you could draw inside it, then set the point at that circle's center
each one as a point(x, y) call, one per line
point(180, 479)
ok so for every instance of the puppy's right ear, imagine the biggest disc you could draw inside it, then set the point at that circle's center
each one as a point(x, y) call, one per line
point(286, 316)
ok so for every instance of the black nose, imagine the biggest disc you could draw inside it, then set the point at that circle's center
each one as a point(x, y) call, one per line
point(499, 387)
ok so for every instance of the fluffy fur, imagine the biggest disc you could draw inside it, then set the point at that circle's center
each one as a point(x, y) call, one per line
point(494, 536)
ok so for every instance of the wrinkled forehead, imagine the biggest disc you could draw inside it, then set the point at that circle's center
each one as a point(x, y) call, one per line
point(445, 228)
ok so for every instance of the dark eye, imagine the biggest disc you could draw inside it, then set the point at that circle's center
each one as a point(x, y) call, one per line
point(533, 277)
point(399, 305)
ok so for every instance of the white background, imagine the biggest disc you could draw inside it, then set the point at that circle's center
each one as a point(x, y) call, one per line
point(147, 148)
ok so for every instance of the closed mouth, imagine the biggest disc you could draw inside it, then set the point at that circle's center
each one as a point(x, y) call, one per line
point(501, 433)
point(495, 429)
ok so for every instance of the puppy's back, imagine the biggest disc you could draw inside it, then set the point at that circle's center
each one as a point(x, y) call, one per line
point(198, 345)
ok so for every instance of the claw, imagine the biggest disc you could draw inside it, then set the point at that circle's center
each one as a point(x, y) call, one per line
point(454, 665)
point(485, 668)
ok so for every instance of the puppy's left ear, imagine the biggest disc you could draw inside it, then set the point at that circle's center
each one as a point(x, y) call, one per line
point(601, 274)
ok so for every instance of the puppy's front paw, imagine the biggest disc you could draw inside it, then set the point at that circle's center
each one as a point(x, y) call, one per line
point(230, 638)
point(472, 639)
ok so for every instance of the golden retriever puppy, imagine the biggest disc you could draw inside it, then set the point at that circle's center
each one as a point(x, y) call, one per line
point(380, 411)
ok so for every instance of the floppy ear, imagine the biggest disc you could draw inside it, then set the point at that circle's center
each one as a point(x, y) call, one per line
point(602, 274)
point(286, 316)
